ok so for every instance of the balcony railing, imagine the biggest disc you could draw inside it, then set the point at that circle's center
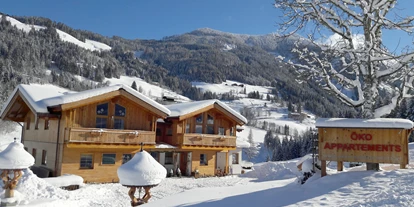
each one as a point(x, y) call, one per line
point(109, 136)
point(209, 140)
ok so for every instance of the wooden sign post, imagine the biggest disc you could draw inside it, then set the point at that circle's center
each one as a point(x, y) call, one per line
point(363, 140)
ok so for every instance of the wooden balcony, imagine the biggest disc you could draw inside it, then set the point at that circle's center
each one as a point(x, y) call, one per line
point(109, 136)
point(209, 140)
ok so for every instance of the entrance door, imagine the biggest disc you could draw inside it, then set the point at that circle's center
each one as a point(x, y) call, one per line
point(221, 161)
point(183, 163)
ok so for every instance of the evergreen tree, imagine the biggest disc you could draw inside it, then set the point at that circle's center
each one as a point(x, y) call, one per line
point(134, 86)
point(252, 151)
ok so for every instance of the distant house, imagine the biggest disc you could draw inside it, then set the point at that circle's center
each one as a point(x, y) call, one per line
point(89, 133)
point(204, 134)
point(93, 132)
point(298, 116)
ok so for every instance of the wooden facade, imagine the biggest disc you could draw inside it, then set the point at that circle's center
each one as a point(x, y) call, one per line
point(92, 137)
point(204, 133)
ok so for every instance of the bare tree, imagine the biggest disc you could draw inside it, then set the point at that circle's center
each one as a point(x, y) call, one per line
point(357, 64)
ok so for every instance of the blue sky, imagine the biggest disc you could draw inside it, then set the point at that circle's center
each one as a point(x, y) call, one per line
point(154, 19)
point(151, 19)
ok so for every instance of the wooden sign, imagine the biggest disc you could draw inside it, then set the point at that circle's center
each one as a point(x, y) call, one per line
point(364, 145)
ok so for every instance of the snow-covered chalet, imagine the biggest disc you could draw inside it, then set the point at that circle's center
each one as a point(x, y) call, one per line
point(91, 133)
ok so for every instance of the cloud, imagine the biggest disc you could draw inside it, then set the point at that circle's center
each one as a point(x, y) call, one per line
point(336, 40)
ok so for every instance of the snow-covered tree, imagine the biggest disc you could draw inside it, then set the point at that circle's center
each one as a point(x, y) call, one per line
point(252, 151)
point(357, 60)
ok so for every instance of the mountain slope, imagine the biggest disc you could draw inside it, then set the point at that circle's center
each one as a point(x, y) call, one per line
point(55, 53)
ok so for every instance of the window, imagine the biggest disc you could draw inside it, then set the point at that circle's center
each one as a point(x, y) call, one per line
point(34, 153)
point(203, 159)
point(119, 110)
point(155, 155)
point(187, 128)
point(86, 161)
point(46, 124)
point(221, 131)
point(28, 123)
point(118, 123)
point(101, 115)
point(199, 124)
point(235, 158)
point(168, 158)
point(108, 159)
point(44, 157)
point(210, 124)
point(102, 109)
point(199, 119)
point(158, 132)
point(119, 117)
point(100, 122)
point(126, 158)
point(232, 131)
point(169, 132)
point(210, 119)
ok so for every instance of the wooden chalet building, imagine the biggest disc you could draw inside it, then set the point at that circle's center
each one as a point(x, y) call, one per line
point(199, 136)
point(93, 132)
point(89, 133)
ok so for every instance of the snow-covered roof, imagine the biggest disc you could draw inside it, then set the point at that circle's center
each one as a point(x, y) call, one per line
point(364, 123)
point(42, 96)
point(241, 143)
point(141, 170)
point(181, 109)
point(15, 157)
point(164, 146)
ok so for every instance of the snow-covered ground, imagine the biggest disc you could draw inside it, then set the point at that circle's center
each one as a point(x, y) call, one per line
point(151, 90)
point(269, 184)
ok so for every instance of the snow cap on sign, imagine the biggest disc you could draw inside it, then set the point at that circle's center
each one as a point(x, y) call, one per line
point(386, 123)
point(15, 157)
point(141, 170)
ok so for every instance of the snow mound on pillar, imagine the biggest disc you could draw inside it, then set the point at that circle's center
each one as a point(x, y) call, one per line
point(15, 157)
point(273, 171)
point(33, 187)
point(141, 170)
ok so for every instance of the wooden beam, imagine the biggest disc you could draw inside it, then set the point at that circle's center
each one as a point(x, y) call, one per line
point(323, 168)
point(108, 146)
point(146, 105)
point(228, 114)
point(186, 147)
point(87, 101)
point(185, 116)
point(340, 166)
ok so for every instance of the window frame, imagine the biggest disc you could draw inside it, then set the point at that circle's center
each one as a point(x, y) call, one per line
point(28, 120)
point(46, 124)
point(92, 161)
point(119, 117)
point(165, 158)
point(102, 116)
point(223, 130)
point(103, 155)
point(34, 152)
point(235, 155)
point(203, 162)
point(124, 159)
point(199, 125)
point(44, 157)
